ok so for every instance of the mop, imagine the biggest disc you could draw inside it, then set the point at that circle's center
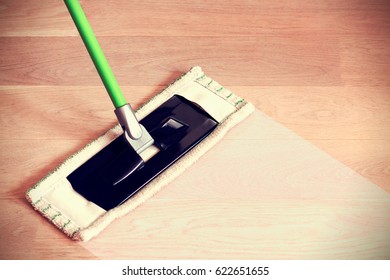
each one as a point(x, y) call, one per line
point(149, 147)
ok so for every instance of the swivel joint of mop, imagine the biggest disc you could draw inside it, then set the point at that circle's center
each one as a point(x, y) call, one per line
point(135, 133)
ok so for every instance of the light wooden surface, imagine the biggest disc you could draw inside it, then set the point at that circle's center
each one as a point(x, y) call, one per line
point(320, 68)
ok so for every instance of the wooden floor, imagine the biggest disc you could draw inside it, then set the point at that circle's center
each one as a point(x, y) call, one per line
point(320, 68)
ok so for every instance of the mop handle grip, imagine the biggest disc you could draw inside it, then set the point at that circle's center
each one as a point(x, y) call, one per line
point(96, 53)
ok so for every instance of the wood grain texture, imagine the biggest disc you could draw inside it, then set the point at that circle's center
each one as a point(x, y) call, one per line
point(320, 68)
point(156, 61)
point(203, 18)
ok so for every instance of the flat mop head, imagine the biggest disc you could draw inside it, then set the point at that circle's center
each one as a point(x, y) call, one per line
point(107, 179)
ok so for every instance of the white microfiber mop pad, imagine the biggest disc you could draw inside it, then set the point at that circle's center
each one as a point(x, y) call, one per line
point(81, 219)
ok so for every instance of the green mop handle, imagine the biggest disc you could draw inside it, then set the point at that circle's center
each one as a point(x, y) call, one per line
point(96, 53)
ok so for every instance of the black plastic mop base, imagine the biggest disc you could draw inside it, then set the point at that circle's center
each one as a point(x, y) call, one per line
point(117, 172)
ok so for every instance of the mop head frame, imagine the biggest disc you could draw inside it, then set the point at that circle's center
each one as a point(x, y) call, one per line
point(81, 219)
